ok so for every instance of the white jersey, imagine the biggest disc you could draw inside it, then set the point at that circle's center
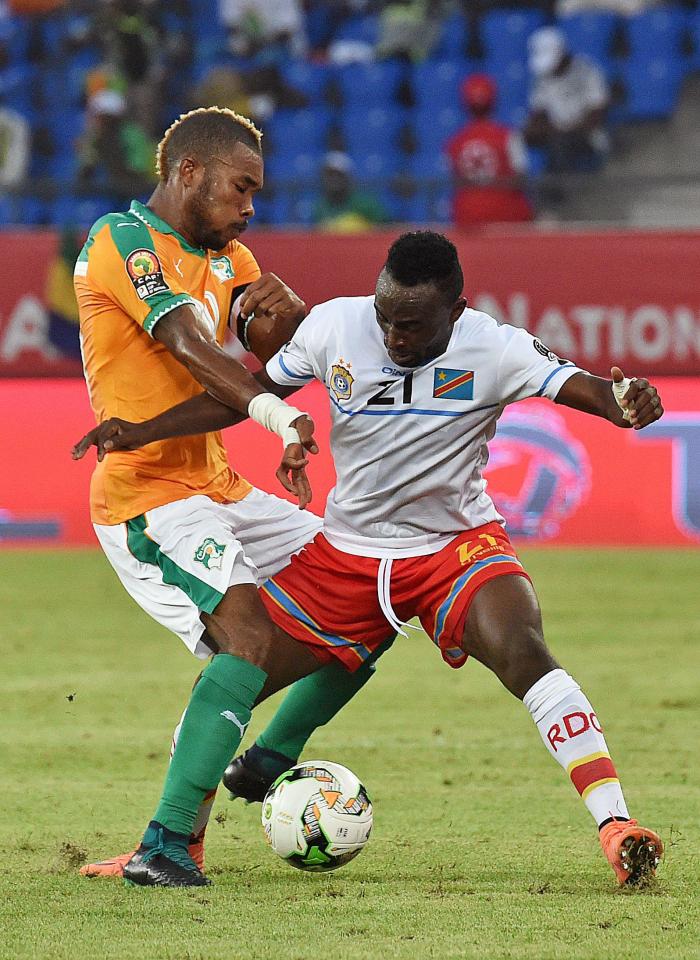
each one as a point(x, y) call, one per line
point(409, 445)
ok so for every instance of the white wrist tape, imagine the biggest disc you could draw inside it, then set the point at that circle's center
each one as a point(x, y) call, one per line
point(619, 390)
point(275, 415)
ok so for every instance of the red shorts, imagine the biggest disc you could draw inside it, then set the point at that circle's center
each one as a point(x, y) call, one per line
point(330, 600)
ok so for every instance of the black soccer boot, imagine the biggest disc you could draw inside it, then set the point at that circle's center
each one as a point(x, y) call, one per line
point(244, 778)
point(162, 860)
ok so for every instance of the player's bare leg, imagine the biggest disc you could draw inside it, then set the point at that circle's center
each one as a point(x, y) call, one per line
point(503, 631)
point(255, 660)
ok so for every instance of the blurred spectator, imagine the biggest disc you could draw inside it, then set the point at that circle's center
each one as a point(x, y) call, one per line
point(116, 155)
point(489, 162)
point(128, 34)
point(409, 28)
point(567, 105)
point(255, 94)
point(15, 143)
point(272, 29)
point(29, 7)
point(566, 8)
point(60, 296)
point(342, 207)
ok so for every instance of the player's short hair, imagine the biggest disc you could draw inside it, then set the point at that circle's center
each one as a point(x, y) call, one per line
point(425, 257)
point(204, 133)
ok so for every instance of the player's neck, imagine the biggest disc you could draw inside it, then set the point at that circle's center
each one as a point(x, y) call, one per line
point(167, 208)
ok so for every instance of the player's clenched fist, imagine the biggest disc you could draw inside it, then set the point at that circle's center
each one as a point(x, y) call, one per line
point(638, 399)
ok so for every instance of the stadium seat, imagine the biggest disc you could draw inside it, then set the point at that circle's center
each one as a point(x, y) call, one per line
point(693, 27)
point(511, 105)
point(81, 212)
point(656, 33)
point(32, 211)
point(433, 128)
point(436, 83)
point(14, 36)
point(300, 166)
point(363, 29)
point(376, 165)
point(454, 35)
point(8, 210)
point(505, 33)
point(430, 164)
point(651, 88)
point(298, 131)
point(375, 83)
point(374, 128)
point(309, 78)
point(590, 34)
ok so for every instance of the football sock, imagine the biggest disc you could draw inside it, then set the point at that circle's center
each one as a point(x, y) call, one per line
point(570, 730)
point(310, 703)
point(205, 807)
point(214, 723)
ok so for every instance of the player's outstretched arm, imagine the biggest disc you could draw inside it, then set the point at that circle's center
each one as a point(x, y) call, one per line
point(202, 414)
point(626, 403)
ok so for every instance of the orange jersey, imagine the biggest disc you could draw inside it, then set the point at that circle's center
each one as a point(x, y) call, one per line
point(133, 270)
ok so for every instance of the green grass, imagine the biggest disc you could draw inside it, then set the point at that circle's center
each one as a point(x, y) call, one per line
point(480, 847)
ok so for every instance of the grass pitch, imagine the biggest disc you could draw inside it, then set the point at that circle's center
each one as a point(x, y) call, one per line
point(481, 848)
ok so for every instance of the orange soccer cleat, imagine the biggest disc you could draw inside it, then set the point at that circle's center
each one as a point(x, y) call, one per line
point(632, 851)
point(114, 867)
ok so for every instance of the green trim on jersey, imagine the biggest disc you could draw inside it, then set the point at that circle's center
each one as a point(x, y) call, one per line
point(145, 550)
point(163, 305)
point(145, 215)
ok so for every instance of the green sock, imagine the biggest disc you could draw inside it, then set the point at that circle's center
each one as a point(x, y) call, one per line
point(217, 716)
point(313, 701)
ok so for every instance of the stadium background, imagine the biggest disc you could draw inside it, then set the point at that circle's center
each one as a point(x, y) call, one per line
point(480, 850)
point(618, 286)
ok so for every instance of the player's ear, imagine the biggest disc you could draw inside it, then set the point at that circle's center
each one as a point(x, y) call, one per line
point(458, 309)
point(189, 170)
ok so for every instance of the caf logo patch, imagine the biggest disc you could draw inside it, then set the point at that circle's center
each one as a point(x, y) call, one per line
point(341, 381)
point(146, 274)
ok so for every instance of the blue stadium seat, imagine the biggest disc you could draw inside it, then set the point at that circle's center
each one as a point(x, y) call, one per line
point(590, 34)
point(32, 211)
point(14, 35)
point(81, 212)
point(505, 33)
point(430, 164)
point(376, 127)
point(17, 87)
point(454, 35)
point(694, 31)
point(363, 29)
point(302, 208)
point(301, 165)
point(309, 78)
point(8, 210)
point(63, 167)
point(437, 126)
point(656, 32)
point(652, 86)
point(438, 82)
point(375, 83)
point(513, 83)
point(376, 164)
point(66, 126)
point(298, 131)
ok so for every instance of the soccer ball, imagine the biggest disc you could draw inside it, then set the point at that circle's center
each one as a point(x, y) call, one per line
point(317, 815)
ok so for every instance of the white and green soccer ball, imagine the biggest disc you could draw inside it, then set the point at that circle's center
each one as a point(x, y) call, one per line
point(317, 815)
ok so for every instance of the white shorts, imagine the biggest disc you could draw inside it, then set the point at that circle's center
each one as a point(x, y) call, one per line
point(180, 559)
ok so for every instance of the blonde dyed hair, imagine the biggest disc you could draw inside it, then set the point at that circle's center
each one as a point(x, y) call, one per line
point(202, 132)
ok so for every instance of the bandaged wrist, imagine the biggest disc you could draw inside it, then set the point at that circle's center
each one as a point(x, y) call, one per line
point(275, 415)
point(619, 390)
